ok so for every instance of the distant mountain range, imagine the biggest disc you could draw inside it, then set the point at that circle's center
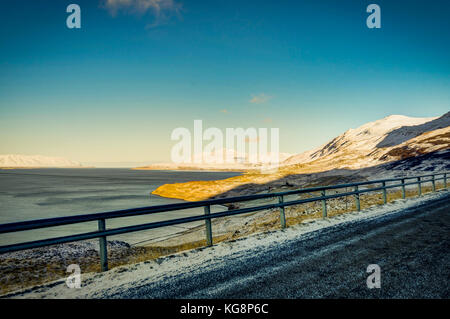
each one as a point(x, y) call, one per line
point(241, 162)
point(35, 161)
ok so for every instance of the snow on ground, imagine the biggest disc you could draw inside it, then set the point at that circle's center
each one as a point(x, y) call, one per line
point(94, 285)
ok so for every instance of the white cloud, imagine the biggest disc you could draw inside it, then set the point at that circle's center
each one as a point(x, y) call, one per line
point(161, 10)
point(260, 98)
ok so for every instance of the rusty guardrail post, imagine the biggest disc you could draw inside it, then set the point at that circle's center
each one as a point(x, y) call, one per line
point(209, 239)
point(445, 180)
point(403, 189)
point(103, 246)
point(282, 215)
point(324, 205)
point(357, 201)
point(384, 193)
point(419, 186)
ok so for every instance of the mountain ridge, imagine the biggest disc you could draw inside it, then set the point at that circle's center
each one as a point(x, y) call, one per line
point(367, 144)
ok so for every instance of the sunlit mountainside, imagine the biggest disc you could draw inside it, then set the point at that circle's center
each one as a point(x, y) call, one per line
point(364, 152)
point(391, 138)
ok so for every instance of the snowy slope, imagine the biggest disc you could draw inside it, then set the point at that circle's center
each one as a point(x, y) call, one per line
point(13, 160)
point(372, 143)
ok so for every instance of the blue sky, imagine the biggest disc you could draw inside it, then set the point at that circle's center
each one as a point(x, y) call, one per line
point(116, 88)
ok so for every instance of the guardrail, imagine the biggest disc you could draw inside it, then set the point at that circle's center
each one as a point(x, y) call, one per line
point(103, 232)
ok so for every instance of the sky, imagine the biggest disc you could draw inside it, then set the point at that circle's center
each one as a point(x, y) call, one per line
point(115, 89)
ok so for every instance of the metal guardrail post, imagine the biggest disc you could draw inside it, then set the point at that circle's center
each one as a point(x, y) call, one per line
point(103, 246)
point(419, 186)
point(433, 182)
point(209, 239)
point(324, 205)
point(445, 180)
point(403, 189)
point(282, 215)
point(357, 201)
point(384, 193)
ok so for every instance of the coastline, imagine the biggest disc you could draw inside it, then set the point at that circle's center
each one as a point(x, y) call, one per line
point(201, 190)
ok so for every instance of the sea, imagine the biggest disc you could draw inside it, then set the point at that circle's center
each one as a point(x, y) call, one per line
point(30, 194)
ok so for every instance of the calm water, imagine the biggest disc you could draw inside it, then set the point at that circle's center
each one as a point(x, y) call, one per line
point(42, 193)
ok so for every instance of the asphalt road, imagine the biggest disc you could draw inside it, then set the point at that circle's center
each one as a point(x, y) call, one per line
point(410, 246)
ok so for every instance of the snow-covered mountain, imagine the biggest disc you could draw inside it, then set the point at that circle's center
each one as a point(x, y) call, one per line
point(393, 146)
point(15, 160)
point(392, 138)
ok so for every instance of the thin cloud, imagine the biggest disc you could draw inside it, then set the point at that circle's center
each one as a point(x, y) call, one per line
point(161, 10)
point(260, 98)
point(224, 111)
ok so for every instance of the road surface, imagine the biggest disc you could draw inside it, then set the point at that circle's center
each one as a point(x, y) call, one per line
point(410, 246)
